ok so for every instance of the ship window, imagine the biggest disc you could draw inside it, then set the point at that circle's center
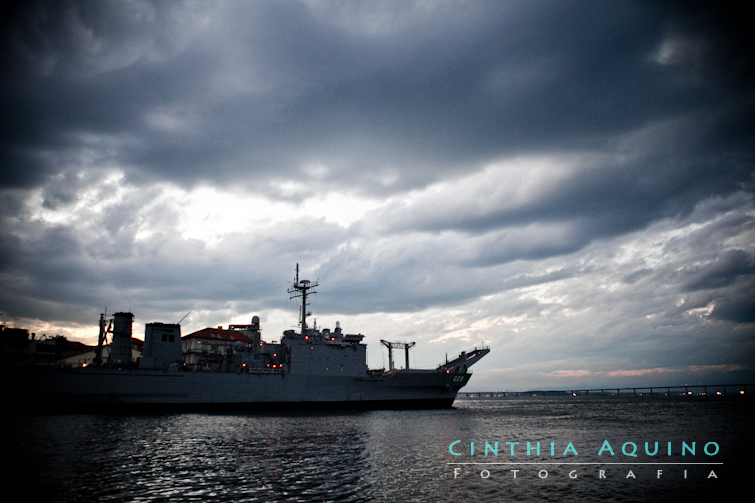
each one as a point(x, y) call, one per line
point(172, 337)
point(165, 337)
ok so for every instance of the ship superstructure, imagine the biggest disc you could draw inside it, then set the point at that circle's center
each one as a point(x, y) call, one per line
point(310, 368)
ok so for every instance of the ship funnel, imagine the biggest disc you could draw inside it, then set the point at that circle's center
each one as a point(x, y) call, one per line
point(120, 349)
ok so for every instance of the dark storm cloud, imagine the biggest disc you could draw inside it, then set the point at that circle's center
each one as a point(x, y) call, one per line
point(725, 283)
point(723, 272)
point(738, 305)
point(259, 91)
point(655, 173)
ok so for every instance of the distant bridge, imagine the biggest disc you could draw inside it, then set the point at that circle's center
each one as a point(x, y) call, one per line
point(682, 390)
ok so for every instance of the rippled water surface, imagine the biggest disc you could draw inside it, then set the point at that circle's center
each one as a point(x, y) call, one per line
point(388, 455)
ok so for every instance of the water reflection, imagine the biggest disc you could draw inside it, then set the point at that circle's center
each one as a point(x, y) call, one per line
point(369, 456)
point(196, 457)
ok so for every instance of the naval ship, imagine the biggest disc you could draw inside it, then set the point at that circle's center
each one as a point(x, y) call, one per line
point(311, 368)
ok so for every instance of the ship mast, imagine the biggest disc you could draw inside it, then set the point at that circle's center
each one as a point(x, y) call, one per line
point(102, 340)
point(302, 289)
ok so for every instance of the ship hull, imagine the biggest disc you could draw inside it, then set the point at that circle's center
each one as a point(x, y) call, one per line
point(99, 389)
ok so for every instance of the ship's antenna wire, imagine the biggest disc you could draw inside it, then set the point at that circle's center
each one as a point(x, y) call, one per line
point(179, 321)
point(287, 313)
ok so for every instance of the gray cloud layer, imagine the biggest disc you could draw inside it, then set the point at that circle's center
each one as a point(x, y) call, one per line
point(259, 92)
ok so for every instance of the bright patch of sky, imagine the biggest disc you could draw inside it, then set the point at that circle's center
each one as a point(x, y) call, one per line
point(208, 214)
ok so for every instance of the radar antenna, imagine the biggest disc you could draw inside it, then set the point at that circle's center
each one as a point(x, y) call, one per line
point(302, 289)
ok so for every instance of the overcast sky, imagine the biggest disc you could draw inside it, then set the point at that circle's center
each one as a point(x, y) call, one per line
point(570, 183)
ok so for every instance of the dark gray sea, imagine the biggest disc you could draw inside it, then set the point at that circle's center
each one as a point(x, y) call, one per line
point(394, 455)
